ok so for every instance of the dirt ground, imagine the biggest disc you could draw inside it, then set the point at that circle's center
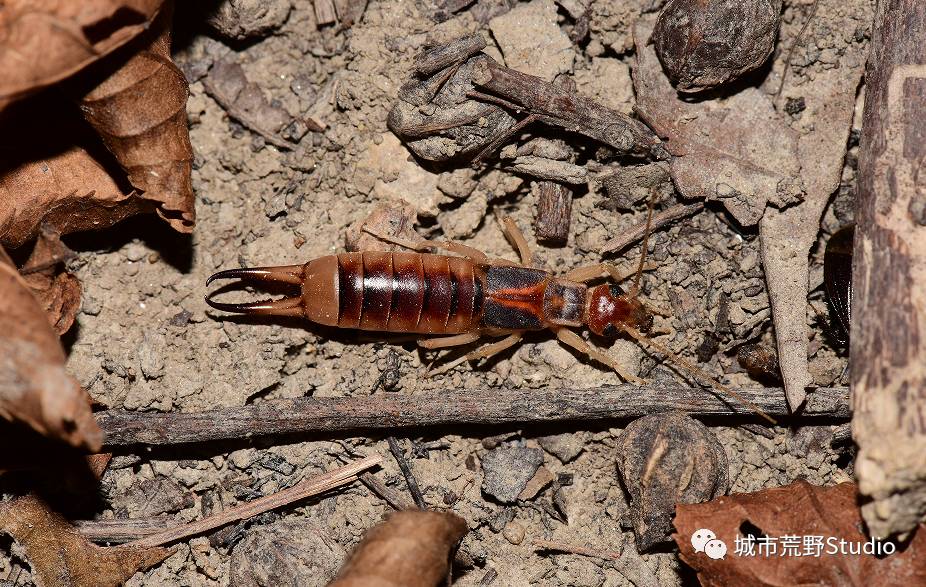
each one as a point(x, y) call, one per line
point(145, 339)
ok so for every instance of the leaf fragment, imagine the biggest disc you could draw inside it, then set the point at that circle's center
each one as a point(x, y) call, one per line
point(60, 557)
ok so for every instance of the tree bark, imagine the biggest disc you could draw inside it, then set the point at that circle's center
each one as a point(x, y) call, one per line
point(888, 335)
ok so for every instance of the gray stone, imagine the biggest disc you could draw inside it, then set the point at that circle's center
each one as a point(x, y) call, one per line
point(507, 471)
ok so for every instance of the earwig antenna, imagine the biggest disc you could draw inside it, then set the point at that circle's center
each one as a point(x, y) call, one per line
point(649, 224)
point(684, 363)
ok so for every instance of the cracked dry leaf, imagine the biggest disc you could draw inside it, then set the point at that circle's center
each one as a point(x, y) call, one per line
point(140, 113)
point(410, 549)
point(786, 236)
point(34, 387)
point(735, 150)
point(60, 557)
point(45, 41)
point(799, 509)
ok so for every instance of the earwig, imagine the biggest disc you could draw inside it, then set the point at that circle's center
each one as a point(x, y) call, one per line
point(464, 297)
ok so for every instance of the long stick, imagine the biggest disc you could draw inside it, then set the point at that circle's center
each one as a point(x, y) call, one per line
point(305, 488)
point(335, 416)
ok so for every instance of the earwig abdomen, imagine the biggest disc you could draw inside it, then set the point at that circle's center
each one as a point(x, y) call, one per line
point(393, 292)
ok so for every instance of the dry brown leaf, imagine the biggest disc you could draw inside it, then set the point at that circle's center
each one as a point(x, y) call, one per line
point(45, 41)
point(721, 148)
point(57, 291)
point(799, 509)
point(410, 549)
point(65, 191)
point(60, 557)
point(34, 386)
point(140, 112)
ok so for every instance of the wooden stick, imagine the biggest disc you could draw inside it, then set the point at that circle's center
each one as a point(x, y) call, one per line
point(888, 333)
point(305, 488)
point(668, 216)
point(335, 416)
point(120, 531)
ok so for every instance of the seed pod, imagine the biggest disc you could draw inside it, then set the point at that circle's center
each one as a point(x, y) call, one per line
point(706, 43)
point(665, 459)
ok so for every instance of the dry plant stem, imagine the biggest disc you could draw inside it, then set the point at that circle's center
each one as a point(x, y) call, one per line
point(413, 488)
point(560, 107)
point(392, 497)
point(301, 490)
point(575, 549)
point(661, 220)
point(328, 416)
point(888, 338)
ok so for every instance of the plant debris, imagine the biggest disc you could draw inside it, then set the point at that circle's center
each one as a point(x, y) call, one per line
point(770, 516)
point(34, 386)
point(410, 548)
point(665, 459)
point(60, 557)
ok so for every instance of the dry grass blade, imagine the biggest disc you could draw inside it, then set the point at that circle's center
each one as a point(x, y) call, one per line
point(46, 41)
point(305, 488)
point(60, 557)
point(140, 112)
point(34, 386)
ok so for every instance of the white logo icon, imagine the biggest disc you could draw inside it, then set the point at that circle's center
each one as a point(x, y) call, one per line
point(704, 540)
point(715, 549)
point(700, 538)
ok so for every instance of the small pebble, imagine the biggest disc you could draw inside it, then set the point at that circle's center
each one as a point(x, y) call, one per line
point(513, 533)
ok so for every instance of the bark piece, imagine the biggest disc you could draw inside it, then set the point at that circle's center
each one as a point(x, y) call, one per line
point(665, 459)
point(140, 112)
point(706, 43)
point(798, 510)
point(34, 387)
point(44, 42)
point(554, 212)
point(721, 148)
point(60, 557)
point(787, 235)
point(409, 549)
point(888, 343)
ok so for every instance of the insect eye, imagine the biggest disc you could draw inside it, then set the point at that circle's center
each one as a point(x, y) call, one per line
point(615, 290)
point(609, 330)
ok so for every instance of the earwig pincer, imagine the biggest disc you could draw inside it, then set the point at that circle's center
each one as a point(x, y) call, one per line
point(465, 297)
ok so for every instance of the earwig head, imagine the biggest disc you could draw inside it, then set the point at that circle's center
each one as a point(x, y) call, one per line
point(291, 274)
point(609, 308)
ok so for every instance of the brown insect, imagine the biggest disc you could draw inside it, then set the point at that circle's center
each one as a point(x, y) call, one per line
point(466, 297)
point(837, 276)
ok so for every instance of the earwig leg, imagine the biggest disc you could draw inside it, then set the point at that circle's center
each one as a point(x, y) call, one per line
point(589, 272)
point(449, 341)
point(572, 339)
point(514, 233)
point(480, 353)
point(460, 249)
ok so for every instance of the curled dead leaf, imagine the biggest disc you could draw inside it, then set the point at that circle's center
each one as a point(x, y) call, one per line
point(45, 41)
point(60, 557)
point(140, 112)
point(34, 386)
point(411, 548)
point(796, 510)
